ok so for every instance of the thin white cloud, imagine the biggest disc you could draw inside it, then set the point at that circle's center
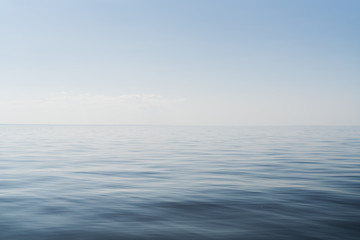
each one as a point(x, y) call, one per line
point(67, 108)
point(90, 109)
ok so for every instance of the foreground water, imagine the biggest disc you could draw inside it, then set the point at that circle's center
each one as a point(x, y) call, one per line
point(147, 182)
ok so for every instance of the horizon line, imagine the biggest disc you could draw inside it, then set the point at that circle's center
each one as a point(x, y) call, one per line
point(185, 125)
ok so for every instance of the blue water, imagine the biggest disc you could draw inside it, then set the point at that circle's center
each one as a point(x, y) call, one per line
point(161, 182)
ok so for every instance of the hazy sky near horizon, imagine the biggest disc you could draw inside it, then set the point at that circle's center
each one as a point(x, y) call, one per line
point(198, 62)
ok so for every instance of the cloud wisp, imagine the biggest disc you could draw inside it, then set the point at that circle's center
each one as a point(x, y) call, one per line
point(91, 109)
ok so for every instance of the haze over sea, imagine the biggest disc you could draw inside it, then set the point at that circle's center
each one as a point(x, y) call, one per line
point(168, 182)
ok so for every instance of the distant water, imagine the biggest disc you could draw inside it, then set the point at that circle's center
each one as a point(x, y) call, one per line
point(147, 182)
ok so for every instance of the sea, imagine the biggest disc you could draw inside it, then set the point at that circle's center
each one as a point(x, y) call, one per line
point(125, 182)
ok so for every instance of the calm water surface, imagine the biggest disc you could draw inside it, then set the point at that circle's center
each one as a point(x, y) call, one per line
point(147, 182)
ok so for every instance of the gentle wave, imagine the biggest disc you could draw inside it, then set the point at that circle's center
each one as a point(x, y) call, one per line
point(161, 182)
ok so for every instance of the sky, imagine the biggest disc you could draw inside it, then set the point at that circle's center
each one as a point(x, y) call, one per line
point(180, 62)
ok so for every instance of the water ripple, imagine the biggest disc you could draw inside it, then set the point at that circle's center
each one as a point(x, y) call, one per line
point(147, 182)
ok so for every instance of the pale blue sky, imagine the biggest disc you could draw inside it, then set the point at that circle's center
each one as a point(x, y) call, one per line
point(202, 62)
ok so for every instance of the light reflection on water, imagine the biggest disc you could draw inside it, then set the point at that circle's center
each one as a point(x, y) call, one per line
point(147, 182)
